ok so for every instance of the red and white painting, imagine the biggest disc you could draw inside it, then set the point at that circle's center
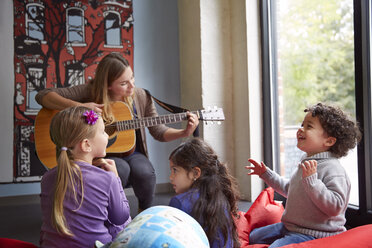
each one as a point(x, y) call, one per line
point(59, 44)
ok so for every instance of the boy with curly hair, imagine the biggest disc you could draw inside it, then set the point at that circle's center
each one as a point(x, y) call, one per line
point(318, 191)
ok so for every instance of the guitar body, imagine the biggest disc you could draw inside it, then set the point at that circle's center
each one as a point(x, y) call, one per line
point(119, 142)
point(123, 141)
point(45, 148)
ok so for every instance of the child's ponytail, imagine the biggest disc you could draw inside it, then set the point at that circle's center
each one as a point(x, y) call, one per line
point(67, 173)
point(68, 128)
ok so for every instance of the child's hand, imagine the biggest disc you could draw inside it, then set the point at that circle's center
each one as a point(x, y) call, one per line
point(106, 164)
point(257, 168)
point(308, 168)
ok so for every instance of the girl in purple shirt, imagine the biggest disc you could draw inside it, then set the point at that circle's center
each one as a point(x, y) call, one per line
point(81, 198)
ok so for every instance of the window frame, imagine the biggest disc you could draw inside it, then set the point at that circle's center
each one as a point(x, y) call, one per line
point(40, 25)
point(106, 44)
point(362, 214)
point(355, 215)
point(70, 28)
point(269, 83)
point(35, 78)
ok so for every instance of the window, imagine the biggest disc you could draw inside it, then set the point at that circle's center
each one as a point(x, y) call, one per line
point(112, 29)
point(75, 77)
point(363, 213)
point(35, 22)
point(308, 57)
point(75, 26)
point(34, 81)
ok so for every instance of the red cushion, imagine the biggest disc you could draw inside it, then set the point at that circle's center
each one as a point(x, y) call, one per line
point(242, 228)
point(264, 211)
point(14, 243)
point(358, 237)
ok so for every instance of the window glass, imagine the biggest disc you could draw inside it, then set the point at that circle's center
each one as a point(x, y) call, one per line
point(75, 25)
point(315, 63)
point(35, 80)
point(35, 22)
point(75, 77)
point(112, 28)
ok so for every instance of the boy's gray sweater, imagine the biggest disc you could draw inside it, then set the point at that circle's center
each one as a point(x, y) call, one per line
point(315, 205)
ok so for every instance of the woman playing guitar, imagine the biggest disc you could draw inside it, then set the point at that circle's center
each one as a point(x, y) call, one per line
point(114, 81)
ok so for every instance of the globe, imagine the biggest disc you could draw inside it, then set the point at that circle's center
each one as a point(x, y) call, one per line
point(161, 227)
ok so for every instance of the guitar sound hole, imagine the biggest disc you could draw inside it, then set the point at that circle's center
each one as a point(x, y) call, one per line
point(110, 129)
point(111, 141)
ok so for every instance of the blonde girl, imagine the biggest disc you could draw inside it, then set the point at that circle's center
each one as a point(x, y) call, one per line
point(81, 202)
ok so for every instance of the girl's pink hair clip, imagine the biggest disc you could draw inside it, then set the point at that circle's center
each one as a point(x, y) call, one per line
point(91, 117)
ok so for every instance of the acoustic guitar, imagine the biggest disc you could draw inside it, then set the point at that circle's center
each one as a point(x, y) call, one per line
point(122, 136)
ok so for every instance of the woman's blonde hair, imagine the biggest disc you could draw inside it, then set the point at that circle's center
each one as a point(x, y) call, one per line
point(67, 128)
point(110, 68)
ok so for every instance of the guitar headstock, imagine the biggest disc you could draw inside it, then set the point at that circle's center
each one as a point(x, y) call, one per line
point(212, 115)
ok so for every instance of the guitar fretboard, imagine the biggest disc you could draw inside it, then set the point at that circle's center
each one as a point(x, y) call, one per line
point(151, 121)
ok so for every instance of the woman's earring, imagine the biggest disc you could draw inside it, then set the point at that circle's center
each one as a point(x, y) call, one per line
point(194, 178)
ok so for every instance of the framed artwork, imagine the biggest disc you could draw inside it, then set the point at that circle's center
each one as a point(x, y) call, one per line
point(59, 44)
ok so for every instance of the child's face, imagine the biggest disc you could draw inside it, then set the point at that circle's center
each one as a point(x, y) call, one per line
point(99, 141)
point(180, 178)
point(311, 137)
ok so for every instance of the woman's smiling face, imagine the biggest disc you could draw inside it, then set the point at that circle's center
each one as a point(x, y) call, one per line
point(123, 86)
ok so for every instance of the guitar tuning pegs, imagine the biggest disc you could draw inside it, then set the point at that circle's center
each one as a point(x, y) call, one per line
point(215, 108)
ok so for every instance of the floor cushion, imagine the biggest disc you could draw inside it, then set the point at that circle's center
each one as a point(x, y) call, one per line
point(264, 211)
point(358, 237)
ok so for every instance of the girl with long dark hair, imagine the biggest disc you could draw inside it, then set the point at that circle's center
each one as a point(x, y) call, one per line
point(205, 190)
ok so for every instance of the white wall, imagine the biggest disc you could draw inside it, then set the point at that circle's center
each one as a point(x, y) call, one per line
point(6, 90)
point(220, 62)
point(156, 67)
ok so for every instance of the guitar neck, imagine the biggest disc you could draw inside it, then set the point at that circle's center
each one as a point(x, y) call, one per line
point(152, 121)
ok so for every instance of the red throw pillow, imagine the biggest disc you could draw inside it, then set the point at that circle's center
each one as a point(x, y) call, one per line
point(264, 211)
point(14, 243)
